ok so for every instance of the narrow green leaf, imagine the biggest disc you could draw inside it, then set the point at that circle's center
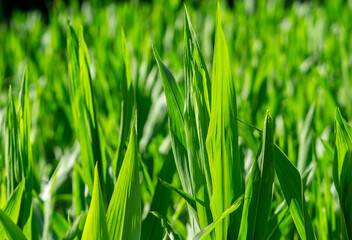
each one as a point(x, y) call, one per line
point(259, 190)
point(124, 212)
point(206, 231)
point(95, 226)
point(12, 206)
point(292, 187)
point(171, 232)
point(222, 138)
point(77, 96)
point(13, 232)
point(127, 106)
point(189, 199)
point(196, 119)
point(342, 170)
point(175, 104)
point(72, 231)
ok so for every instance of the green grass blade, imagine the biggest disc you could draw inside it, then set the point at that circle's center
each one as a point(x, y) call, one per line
point(342, 170)
point(175, 104)
point(222, 138)
point(127, 106)
point(206, 231)
point(72, 231)
point(12, 158)
point(13, 205)
point(13, 232)
point(196, 119)
point(259, 192)
point(189, 199)
point(292, 187)
point(77, 96)
point(124, 212)
point(95, 226)
point(171, 232)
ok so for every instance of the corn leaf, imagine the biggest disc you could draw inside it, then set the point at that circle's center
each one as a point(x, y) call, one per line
point(189, 199)
point(83, 107)
point(196, 119)
point(127, 106)
point(13, 232)
point(206, 231)
point(342, 171)
point(222, 138)
point(124, 212)
point(95, 226)
point(171, 232)
point(259, 192)
point(12, 206)
point(292, 187)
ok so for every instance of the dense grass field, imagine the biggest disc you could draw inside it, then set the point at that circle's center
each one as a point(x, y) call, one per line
point(171, 120)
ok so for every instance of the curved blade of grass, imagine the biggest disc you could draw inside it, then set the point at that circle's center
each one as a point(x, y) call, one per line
point(83, 107)
point(124, 212)
point(175, 104)
point(13, 232)
point(171, 232)
point(342, 170)
point(196, 119)
point(127, 106)
point(13, 165)
point(13, 205)
point(292, 187)
point(78, 107)
point(95, 226)
point(222, 138)
point(206, 231)
point(189, 199)
point(72, 231)
point(259, 190)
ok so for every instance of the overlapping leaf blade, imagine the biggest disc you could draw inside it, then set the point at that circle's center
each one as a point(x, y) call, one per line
point(95, 226)
point(196, 119)
point(259, 190)
point(127, 106)
point(222, 138)
point(13, 205)
point(124, 212)
point(13, 232)
point(342, 171)
point(292, 187)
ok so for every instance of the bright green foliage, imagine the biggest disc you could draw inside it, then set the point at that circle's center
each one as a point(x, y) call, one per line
point(95, 226)
point(124, 212)
point(342, 171)
point(83, 107)
point(222, 138)
point(127, 106)
point(72, 165)
point(206, 231)
point(259, 190)
point(19, 154)
point(292, 187)
point(13, 232)
point(12, 207)
point(196, 120)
